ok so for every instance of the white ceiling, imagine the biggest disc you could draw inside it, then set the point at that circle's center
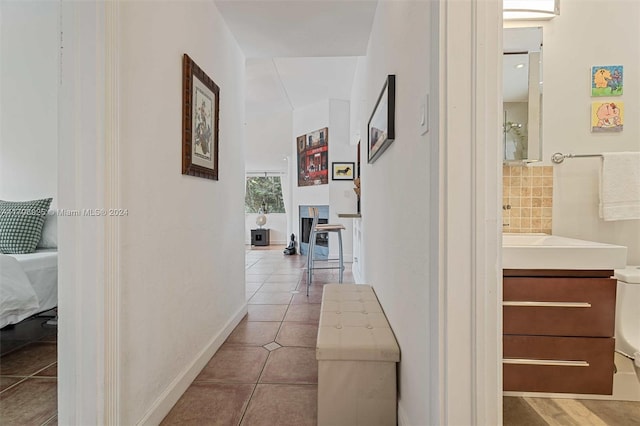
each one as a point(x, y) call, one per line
point(299, 52)
point(299, 28)
point(278, 84)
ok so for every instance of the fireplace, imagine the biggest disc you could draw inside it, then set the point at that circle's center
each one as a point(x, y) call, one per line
point(322, 240)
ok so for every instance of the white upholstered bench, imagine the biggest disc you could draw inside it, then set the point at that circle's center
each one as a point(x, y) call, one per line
point(357, 355)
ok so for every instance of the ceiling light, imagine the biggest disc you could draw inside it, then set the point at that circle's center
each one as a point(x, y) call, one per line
point(530, 9)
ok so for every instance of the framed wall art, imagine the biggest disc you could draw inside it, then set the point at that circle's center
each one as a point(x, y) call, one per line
point(607, 117)
point(342, 171)
point(200, 116)
point(381, 127)
point(313, 158)
point(607, 80)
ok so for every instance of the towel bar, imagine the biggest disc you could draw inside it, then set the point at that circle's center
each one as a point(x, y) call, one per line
point(559, 157)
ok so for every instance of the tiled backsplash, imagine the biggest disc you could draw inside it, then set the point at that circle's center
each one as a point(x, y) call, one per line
point(527, 199)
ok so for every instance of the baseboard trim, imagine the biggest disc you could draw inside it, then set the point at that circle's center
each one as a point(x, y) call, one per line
point(167, 399)
point(402, 417)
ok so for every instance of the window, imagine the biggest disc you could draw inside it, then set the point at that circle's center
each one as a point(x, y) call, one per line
point(263, 192)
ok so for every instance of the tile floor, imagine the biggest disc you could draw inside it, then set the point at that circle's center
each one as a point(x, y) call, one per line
point(266, 372)
point(28, 374)
point(518, 411)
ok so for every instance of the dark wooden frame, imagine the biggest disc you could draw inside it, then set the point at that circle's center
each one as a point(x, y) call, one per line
point(344, 163)
point(390, 89)
point(191, 70)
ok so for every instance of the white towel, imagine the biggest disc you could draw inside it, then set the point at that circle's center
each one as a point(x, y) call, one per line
point(620, 186)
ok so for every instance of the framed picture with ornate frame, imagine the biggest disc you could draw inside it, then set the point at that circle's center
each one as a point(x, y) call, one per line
point(381, 127)
point(200, 117)
point(342, 171)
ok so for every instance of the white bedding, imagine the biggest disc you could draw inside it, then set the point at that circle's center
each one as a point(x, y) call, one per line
point(41, 268)
point(18, 299)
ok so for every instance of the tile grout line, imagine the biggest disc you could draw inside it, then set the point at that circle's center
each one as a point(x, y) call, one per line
point(50, 419)
point(30, 376)
point(245, 406)
point(255, 385)
point(245, 409)
point(14, 385)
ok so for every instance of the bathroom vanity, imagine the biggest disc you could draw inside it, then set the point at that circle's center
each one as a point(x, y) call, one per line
point(559, 314)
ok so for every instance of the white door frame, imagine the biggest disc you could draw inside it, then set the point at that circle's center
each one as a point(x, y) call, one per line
point(469, 382)
point(470, 314)
point(88, 185)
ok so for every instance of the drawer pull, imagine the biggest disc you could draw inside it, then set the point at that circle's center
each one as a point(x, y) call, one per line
point(549, 304)
point(552, 362)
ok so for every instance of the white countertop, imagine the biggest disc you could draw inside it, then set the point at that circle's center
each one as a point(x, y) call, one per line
point(542, 251)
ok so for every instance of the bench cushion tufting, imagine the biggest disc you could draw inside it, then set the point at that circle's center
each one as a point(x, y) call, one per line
point(353, 326)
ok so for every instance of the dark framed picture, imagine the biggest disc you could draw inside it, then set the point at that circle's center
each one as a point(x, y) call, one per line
point(342, 171)
point(200, 116)
point(381, 128)
point(313, 158)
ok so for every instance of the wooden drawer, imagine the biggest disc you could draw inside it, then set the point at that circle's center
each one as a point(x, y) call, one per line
point(569, 364)
point(557, 306)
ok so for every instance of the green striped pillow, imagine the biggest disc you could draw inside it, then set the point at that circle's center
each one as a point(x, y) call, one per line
point(21, 225)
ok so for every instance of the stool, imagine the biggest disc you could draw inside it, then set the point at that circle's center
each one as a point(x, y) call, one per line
point(321, 229)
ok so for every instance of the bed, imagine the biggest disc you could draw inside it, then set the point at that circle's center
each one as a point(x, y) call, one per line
point(29, 282)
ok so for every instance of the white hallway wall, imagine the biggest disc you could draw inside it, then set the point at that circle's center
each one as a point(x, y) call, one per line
point(29, 75)
point(395, 195)
point(263, 131)
point(571, 48)
point(430, 206)
point(182, 245)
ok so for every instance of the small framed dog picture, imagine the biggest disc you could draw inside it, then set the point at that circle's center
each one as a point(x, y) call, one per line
point(342, 171)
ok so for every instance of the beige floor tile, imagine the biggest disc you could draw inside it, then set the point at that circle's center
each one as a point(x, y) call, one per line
point(307, 312)
point(301, 298)
point(294, 274)
point(270, 298)
point(291, 279)
point(5, 382)
point(28, 359)
point(254, 333)
point(298, 334)
point(282, 405)
point(291, 365)
point(210, 404)
point(52, 422)
point(32, 402)
point(51, 371)
point(266, 312)
point(252, 286)
point(278, 287)
point(234, 364)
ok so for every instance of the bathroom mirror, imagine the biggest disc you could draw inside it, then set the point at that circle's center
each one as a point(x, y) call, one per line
point(522, 94)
